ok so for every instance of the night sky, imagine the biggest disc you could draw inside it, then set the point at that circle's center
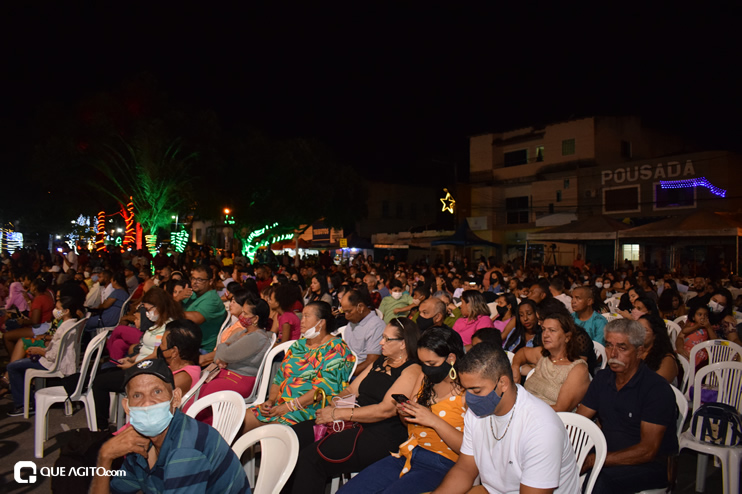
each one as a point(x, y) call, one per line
point(388, 88)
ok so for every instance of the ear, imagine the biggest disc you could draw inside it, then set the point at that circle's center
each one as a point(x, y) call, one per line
point(177, 395)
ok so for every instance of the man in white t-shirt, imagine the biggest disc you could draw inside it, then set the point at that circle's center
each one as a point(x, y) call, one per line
point(515, 442)
point(69, 259)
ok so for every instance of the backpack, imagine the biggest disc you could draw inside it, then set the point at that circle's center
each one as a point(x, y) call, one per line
point(717, 423)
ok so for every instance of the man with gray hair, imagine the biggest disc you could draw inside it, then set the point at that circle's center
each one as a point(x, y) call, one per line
point(637, 413)
point(432, 313)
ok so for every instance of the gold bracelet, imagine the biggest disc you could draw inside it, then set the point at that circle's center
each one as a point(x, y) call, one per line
point(351, 414)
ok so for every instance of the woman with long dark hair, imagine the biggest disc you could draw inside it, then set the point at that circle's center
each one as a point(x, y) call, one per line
point(435, 423)
point(526, 327)
point(318, 290)
point(658, 352)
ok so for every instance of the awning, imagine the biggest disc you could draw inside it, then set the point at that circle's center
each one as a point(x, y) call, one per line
point(591, 228)
point(699, 224)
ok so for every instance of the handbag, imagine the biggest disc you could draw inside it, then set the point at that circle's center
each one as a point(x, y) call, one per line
point(323, 431)
point(717, 423)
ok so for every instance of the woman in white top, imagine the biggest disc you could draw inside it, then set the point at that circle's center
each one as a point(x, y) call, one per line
point(45, 358)
point(160, 308)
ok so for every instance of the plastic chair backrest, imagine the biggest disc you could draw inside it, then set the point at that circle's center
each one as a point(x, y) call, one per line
point(227, 323)
point(94, 347)
point(530, 373)
point(228, 412)
point(124, 307)
point(599, 350)
point(673, 330)
point(612, 303)
point(717, 351)
point(510, 356)
point(611, 316)
point(728, 375)
point(263, 363)
point(78, 343)
point(680, 321)
point(194, 389)
point(279, 447)
point(686, 373)
point(265, 377)
point(682, 404)
point(340, 331)
point(584, 435)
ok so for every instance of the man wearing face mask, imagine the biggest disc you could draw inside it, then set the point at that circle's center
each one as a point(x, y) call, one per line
point(165, 448)
point(432, 313)
point(502, 418)
point(93, 298)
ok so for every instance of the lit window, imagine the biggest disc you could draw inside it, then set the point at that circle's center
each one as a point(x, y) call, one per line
point(631, 252)
point(568, 147)
point(539, 153)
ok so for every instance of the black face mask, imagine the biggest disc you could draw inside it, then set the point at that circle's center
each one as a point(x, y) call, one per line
point(436, 374)
point(161, 354)
point(424, 322)
point(502, 310)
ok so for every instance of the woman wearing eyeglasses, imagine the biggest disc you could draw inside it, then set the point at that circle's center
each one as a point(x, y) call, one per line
point(397, 373)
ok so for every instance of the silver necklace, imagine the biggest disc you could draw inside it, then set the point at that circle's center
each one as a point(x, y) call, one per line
point(512, 413)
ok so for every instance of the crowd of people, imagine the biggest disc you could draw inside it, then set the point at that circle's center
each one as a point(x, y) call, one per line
point(451, 367)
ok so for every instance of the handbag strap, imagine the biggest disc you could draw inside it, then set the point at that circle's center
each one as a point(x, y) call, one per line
point(342, 460)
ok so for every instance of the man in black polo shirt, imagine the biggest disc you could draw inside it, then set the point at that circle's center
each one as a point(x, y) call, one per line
point(637, 413)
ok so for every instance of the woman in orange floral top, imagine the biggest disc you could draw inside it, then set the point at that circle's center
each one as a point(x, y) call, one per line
point(435, 424)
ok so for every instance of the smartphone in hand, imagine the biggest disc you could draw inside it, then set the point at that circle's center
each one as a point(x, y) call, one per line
point(400, 398)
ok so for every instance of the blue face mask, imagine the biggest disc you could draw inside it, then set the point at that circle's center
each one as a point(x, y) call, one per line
point(152, 420)
point(483, 405)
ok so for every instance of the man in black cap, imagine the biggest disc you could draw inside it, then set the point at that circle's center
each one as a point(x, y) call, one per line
point(165, 449)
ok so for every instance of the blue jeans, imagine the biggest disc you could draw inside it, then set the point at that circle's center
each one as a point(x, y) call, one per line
point(16, 373)
point(427, 470)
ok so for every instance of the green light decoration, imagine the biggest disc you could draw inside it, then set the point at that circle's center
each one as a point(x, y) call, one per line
point(118, 241)
point(179, 240)
point(251, 245)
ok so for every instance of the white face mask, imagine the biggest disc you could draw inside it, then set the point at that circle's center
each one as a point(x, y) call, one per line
point(599, 284)
point(715, 307)
point(156, 281)
point(310, 333)
point(152, 315)
point(87, 274)
point(58, 313)
point(606, 285)
point(396, 295)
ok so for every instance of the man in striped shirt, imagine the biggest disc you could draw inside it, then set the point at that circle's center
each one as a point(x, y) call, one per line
point(166, 451)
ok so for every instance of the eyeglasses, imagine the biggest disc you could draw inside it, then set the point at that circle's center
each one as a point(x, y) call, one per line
point(199, 280)
point(384, 338)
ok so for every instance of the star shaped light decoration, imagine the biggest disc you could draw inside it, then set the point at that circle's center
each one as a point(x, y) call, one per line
point(448, 202)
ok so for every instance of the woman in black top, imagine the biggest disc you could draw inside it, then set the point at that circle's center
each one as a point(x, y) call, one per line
point(396, 373)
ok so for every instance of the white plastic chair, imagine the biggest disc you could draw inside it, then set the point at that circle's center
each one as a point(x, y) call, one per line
point(680, 321)
point(612, 316)
point(673, 330)
point(193, 392)
point(686, 374)
point(510, 356)
point(612, 303)
point(682, 404)
point(228, 412)
point(121, 316)
point(689, 295)
point(46, 397)
point(530, 373)
point(599, 350)
point(280, 450)
point(340, 331)
point(65, 344)
point(728, 375)
point(585, 435)
point(262, 384)
point(717, 351)
point(227, 323)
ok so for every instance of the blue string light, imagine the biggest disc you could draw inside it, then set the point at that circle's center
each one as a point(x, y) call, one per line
point(693, 182)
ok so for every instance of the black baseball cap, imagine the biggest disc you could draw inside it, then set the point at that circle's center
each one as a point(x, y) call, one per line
point(157, 367)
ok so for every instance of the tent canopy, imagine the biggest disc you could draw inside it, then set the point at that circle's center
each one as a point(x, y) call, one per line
point(698, 224)
point(591, 228)
point(464, 237)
